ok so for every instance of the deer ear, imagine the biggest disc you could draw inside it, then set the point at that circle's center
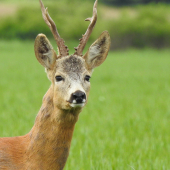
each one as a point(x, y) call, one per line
point(44, 51)
point(98, 51)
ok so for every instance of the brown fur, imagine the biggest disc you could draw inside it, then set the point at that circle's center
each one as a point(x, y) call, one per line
point(47, 145)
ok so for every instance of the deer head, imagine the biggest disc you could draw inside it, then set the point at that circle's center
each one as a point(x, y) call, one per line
point(70, 74)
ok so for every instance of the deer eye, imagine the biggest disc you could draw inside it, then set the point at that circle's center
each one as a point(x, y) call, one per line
point(87, 78)
point(59, 78)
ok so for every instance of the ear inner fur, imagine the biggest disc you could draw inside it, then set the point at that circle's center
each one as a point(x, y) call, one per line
point(98, 51)
point(44, 51)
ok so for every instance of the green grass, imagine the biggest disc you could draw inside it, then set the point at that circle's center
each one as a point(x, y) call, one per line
point(125, 125)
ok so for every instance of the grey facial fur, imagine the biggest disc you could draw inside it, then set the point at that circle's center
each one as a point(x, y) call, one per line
point(72, 66)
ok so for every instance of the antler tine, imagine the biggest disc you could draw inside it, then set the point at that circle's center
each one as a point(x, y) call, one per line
point(62, 48)
point(86, 36)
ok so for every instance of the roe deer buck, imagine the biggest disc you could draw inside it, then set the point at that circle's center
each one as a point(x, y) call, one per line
point(46, 146)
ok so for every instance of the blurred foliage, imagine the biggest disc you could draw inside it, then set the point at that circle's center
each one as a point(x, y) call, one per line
point(28, 22)
point(143, 26)
point(133, 2)
point(139, 26)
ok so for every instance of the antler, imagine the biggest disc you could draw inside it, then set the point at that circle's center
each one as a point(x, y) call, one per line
point(63, 49)
point(86, 36)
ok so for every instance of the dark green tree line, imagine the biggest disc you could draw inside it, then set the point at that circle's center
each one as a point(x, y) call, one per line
point(133, 2)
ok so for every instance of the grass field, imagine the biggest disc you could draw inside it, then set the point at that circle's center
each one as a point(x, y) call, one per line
point(126, 123)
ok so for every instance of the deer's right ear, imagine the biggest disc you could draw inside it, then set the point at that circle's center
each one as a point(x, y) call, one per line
point(44, 51)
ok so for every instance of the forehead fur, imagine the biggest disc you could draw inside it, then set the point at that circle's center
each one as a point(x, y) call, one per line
point(71, 64)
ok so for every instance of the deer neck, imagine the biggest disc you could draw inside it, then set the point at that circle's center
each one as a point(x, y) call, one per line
point(51, 135)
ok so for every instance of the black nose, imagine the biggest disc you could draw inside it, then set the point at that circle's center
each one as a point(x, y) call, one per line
point(78, 97)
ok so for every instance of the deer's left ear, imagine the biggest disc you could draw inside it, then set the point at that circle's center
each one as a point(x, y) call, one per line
point(44, 51)
point(98, 51)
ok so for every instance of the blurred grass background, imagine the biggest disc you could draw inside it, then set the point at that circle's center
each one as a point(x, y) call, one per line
point(125, 125)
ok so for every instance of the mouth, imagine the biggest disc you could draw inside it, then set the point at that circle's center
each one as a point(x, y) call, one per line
point(75, 103)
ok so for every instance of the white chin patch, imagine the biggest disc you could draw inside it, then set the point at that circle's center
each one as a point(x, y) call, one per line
point(77, 105)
